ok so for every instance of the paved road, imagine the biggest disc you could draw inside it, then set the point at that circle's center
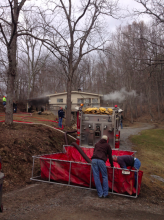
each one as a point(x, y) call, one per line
point(125, 144)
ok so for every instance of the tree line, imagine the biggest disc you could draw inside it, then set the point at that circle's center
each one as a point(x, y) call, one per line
point(61, 46)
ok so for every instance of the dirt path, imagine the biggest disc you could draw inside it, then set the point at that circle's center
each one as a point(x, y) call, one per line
point(50, 201)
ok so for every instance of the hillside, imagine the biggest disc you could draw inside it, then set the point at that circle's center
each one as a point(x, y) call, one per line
point(18, 143)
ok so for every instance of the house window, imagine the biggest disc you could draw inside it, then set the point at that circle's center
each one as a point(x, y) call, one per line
point(79, 101)
point(59, 100)
point(95, 100)
point(87, 101)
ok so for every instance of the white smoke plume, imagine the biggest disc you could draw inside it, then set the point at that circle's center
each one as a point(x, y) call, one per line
point(119, 95)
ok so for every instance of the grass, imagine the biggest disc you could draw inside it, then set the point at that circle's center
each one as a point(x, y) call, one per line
point(149, 145)
point(35, 118)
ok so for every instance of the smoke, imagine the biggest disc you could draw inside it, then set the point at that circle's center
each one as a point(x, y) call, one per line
point(42, 95)
point(119, 95)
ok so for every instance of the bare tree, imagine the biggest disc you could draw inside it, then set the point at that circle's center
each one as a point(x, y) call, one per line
point(35, 59)
point(154, 8)
point(75, 29)
point(9, 17)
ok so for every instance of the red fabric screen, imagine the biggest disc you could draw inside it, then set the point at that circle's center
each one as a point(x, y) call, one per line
point(71, 168)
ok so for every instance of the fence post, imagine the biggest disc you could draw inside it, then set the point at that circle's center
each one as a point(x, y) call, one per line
point(69, 174)
point(50, 170)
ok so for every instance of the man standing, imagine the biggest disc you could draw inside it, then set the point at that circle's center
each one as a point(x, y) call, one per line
point(14, 106)
point(121, 119)
point(116, 108)
point(99, 158)
point(61, 116)
point(4, 101)
point(128, 161)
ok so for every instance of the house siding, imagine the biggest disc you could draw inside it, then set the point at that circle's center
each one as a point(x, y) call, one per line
point(54, 105)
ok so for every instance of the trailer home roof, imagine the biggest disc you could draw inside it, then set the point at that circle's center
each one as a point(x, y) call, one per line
point(73, 92)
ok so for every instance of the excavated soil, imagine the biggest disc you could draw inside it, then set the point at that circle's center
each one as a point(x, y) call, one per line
point(18, 143)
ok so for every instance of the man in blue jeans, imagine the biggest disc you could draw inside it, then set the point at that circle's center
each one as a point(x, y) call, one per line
point(101, 151)
point(128, 161)
point(61, 116)
point(121, 118)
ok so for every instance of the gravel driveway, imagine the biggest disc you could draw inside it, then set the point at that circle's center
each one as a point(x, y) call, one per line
point(126, 132)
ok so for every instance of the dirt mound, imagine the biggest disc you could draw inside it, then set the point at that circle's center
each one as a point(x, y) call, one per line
point(18, 143)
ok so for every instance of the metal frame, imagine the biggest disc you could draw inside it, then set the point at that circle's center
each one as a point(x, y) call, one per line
point(49, 180)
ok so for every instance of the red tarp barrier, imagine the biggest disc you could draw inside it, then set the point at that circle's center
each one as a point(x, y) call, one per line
point(71, 168)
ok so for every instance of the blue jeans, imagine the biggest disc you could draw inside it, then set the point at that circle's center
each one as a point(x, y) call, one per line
point(97, 167)
point(60, 122)
point(15, 109)
point(121, 125)
point(137, 165)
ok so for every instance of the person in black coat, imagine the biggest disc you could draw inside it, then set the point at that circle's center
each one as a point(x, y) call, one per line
point(61, 116)
point(121, 119)
point(128, 161)
point(14, 106)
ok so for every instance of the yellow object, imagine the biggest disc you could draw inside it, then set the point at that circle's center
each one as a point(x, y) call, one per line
point(90, 110)
point(109, 111)
point(100, 110)
point(103, 110)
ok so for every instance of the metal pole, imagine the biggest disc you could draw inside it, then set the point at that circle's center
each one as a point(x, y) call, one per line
point(50, 170)
point(114, 138)
point(33, 167)
point(113, 180)
point(137, 185)
point(69, 174)
point(90, 177)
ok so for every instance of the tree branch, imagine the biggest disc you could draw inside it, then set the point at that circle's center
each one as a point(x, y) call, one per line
point(81, 15)
point(21, 5)
point(1, 28)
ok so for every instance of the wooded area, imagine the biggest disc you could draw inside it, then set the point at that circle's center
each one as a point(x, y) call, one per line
point(62, 46)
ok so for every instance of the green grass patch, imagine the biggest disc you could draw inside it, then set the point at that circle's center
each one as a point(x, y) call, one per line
point(149, 145)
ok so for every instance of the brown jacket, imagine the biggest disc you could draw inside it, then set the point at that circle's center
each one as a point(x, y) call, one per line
point(101, 150)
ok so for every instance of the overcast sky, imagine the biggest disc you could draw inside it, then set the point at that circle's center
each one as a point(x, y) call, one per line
point(114, 23)
point(130, 5)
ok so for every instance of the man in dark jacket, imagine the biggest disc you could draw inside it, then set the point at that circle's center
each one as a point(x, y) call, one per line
point(14, 106)
point(101, 151)
point(128, 161)
point(121, 119)
point(61, 116)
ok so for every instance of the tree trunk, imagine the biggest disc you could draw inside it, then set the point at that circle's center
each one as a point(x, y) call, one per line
point(131, 111)
point(158, 102)
point(11, 50)
point(16, 88)
point(9, 101)
point(69, 104)
point(11, 81)
point(149, 100)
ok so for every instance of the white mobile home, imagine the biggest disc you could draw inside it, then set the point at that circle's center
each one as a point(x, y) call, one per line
point(58, 100)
